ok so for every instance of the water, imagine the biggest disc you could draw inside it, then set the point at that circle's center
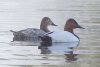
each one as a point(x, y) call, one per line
point(22, 14)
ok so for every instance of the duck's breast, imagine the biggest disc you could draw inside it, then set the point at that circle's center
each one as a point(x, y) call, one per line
point(63, 36)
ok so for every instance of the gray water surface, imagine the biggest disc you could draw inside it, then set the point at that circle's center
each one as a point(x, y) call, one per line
point(21, 14)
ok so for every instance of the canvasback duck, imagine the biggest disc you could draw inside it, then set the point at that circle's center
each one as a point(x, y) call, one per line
point(33, 33)
point(67, 35)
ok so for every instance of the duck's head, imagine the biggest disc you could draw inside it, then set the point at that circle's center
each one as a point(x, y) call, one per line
point(71, 24)
point(46, 21)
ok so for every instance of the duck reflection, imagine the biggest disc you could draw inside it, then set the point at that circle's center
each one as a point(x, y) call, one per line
point(60, 48)
point(44, 46)
point(71, 56)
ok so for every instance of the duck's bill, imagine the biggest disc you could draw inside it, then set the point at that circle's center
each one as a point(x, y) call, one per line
point(54, 24)
point(80, 27)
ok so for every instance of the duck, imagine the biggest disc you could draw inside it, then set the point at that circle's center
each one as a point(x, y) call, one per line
point(66, 35)
point(33, 34)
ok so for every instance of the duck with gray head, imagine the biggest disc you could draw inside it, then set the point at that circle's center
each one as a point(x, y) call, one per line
point(32, 34)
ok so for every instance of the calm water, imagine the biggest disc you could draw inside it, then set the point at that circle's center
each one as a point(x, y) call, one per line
point(22, 14)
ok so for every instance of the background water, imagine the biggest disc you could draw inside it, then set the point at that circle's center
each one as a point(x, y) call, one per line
point(22, 14)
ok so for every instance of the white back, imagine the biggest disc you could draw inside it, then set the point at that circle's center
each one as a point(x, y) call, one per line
point(63, 36)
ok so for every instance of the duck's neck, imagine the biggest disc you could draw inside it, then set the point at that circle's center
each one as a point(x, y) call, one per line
point(44, 28)
point(69, 30)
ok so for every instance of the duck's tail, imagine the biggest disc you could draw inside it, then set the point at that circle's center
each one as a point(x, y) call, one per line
point(14, 32)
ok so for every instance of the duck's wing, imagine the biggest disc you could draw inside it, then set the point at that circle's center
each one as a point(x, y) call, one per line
point(28, 34)
point(32, 32)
